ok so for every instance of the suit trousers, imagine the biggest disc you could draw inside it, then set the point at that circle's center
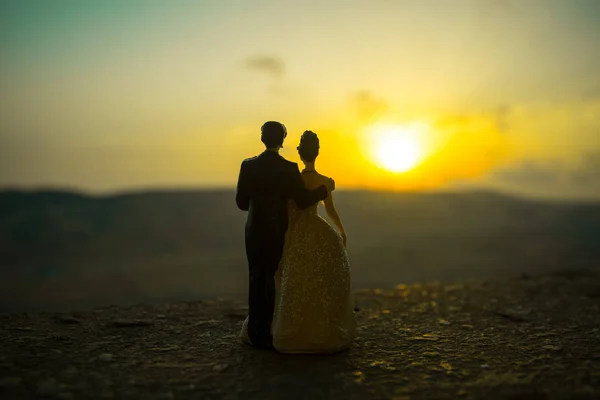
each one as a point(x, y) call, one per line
point(264, 251)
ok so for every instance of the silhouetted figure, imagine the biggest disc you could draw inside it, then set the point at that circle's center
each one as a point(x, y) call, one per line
point(266, 183)
point(314, 306)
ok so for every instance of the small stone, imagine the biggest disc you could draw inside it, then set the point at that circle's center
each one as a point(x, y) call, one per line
point(443, 322)
point(426, 337)
point(485, 366)
point(69, 319)
point(381, 364)
point(60, 337)
point(128, 323)
point(10, 382)
point(359, 376)
point(47, 387)
point(71, 371)
point(241, 315)
point(545, 334)
point(24, 329)
point(446, 366)
point(106, 357)
point(220, 367)
point(167, 348)
point(208, 322)
point(515, 315)
point(552, 348)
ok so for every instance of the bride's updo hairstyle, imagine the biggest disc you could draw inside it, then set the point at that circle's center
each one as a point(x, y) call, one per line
point(309, 146)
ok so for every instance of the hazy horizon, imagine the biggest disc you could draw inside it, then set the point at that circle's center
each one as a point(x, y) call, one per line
point(145, 190)
point(112, 96)
point(95, 250)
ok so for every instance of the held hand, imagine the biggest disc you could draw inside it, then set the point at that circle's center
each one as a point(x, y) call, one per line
point(330, 185)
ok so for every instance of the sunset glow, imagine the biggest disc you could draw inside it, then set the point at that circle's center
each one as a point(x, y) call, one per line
point(396, 148)
point(173, 94)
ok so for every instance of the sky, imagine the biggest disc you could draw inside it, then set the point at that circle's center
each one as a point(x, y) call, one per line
point(113, 95)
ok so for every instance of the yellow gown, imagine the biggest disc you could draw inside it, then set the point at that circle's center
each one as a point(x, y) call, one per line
point(314, 307)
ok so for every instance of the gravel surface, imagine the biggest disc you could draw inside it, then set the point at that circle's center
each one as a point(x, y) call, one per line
point(526, 338)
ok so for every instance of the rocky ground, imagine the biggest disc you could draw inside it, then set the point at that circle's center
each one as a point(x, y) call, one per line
point(526, 338)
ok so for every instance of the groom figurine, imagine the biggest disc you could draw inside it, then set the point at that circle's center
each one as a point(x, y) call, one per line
point(266, 183)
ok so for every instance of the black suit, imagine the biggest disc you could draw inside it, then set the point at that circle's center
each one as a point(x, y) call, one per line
point(265, 184)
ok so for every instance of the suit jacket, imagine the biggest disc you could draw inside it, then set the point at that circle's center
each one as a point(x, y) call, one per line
point(266, 182)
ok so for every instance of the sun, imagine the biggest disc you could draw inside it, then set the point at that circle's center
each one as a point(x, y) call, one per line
point(396, 148)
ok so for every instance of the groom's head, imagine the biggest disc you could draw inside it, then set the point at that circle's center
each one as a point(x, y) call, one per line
point(272, 134)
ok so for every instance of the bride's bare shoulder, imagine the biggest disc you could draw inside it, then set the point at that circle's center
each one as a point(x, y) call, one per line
point(322, 178)
point(313, 180)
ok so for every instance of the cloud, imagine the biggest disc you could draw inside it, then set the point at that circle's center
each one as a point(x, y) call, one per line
point(503, 4)
point(368, 106)
point(553, 179)
point(271, 65)
point(588, 172)
point(593, 93)
point(501, 115)
point(528, 174)
point(493, 7)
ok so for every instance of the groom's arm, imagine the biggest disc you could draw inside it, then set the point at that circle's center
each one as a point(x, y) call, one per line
point(303, 197)
point(242, 195)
